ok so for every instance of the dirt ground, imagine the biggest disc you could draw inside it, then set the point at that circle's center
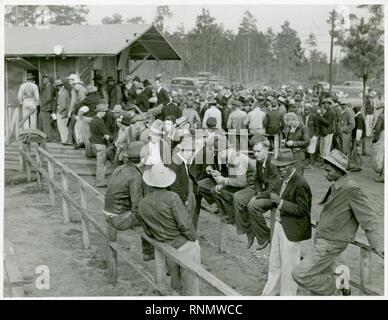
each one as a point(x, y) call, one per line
point(39, 237)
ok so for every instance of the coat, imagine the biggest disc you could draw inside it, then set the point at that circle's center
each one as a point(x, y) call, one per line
point(327, 122)
point(295, 209)
point(267, 178)
point(162, 97)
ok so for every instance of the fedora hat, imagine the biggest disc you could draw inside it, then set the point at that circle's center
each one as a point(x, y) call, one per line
point(126, 120)
point(30, 76)
point(74, 77)
point(127, 79)
point(156, 127)
point(181, 121)
point(159, 176)
point(285, 158)
point(58, 82)
point(133, 149)
point(91, 88)
point(136, 78)
point(102, 105)
point(338, 159)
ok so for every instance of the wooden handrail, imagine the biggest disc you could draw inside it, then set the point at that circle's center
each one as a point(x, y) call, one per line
point(167, 250)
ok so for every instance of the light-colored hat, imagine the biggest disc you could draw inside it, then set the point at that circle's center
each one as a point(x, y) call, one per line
point(83, 109)
point(156, 127)
point(153, 99)
point(299, 88)
point(181, 121)
point(58, 82)
point(127, 79)
point(117, 108)
point(74, 77)
point(159, 176)
point(290, 116)
point(102, 105)
point(338, 159)
point(285, 158)
point(91, 88)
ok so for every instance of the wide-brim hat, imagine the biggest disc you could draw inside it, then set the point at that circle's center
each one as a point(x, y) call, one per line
point(146, 82)
point(127, 79)
point(181, 121)
point(156, 127)
point(133, 149)
point(285, 158)
point(91, 89)
point(338, 159)
point(159, 176)
point(30, 76)
point(58, 82)
point(136, 78)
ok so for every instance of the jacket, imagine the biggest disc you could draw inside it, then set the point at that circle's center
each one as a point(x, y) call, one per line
point(267, 177)
point(162, 97)
point(345, 207)
point(346, 122)
point(63, 102)
point(327, 122)
point(47, 98)
point(312, 123)
point(171, 109)
point(273, 122)
point(300, 138)
point(295, 208)
point(125, 190)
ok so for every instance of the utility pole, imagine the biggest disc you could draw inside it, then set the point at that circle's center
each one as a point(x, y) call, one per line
point(332, 17)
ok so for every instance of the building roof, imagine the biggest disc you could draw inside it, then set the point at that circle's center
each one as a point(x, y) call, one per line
point(89, 40)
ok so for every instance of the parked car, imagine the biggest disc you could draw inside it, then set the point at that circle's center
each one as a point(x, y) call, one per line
point(185, 84)
point(352, 91)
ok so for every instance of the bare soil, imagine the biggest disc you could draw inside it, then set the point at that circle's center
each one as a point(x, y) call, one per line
point(39, 237)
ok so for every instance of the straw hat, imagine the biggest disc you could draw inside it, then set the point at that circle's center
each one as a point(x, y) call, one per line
point(156, 127)
point(159, 176)
point(338, 159)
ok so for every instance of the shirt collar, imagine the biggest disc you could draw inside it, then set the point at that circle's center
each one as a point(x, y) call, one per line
point(290, 176)
point(265, 161)
point(339, 183)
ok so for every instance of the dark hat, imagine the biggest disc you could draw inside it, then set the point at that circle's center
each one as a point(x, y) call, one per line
point(285, 158)
point(110, 78)
point(45, 76)
point(146, 82)
point(134, 148)
point(212, 101)
point(328, 100)
point(258, 138)
point(126, 120)
point(211, 122)
point(338, 159)
point(30, 76)
point(136, 78)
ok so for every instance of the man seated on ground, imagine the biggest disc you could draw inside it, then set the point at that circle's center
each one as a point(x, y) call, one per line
point(291, 225)
point(345, 207)
point(165, 218)
point(256, 197)
point(124, 192)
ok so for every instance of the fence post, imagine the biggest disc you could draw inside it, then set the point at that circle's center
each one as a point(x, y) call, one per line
point(85, 223)
point(111, 255)
point(365, 256)
point(39, 165)
point(223, 227)
point(160, 268)
point(50, 168)
point(65, 189)
point(27, 148)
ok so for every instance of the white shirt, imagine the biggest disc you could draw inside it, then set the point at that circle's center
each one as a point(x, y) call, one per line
point(212, 112)
point(255, 119)
point(153, 154)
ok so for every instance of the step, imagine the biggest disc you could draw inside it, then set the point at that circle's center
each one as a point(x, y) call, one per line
point(59, 156)
point(54, 150)
point(65, 161)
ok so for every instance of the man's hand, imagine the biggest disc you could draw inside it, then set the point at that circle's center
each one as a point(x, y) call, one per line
point(209, 169)
point(275, 198)
point(289, 143)
point(215, 173)
point(107, 137)
point(218, 188)
point(220, 180)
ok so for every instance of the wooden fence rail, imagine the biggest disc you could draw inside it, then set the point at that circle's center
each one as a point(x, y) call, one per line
point(112, 248)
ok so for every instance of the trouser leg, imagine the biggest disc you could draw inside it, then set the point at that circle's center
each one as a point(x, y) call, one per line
point(240, 202)
point(190, 251)
point(62, 128)
point(204, 188)
point(45, 121)
point(101, 164)
point(256, 209)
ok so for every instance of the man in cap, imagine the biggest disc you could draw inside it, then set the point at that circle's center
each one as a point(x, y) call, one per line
point(345, 128)
point(47, 107)
point(142, 99)
point(138, 131)
point(165, 218)
point(213, 111)
point(114, 92)
point(99, 138)
point(292, 225)
point(252, 202)
point(273, 124)
point(28, 96)
point(78, 93)
point(345, 208)
point(121, 139)
point(63, 102)
point(102, 89)
point(327, 121)
point(127, 95)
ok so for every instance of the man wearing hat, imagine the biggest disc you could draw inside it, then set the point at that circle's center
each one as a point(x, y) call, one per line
point(78, 93)
point(346, 125)
point(123, 194)
point(170, 109)
point(47, 107)
point(273, 124)
point(291, 226)
point(138, 131)
point(191, 114)
point(312, 124)
point(358, 136)
point(162, 96)
point(114, 92)
point(100, 137)
point(327, 121)
point(63, 102)
point(345, 207)
point(121, 139)
point(256, 196)
point(101, 87)
point(28, 96)
point(165, 218)
point(214, 112)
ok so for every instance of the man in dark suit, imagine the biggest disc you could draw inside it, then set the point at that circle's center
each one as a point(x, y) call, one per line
point(256, 197)
point(162, 96)
point(292, 225)
point(327, 122)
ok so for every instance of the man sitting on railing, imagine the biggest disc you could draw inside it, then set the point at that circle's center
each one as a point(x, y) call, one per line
point(165, 218)
point(345, 207)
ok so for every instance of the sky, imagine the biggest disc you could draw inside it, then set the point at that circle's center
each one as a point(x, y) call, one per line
point(303, 18)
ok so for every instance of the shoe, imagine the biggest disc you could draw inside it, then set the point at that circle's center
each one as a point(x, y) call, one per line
point(102, 186)
point(148, 257)
point(209, 207)
point(355, 169)
point(251, 239)
point(262, 246)
point(77, 147)
point(379, 179)
point(342, 271)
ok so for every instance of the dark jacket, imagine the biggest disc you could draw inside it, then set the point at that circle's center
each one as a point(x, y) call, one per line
point(360, 125)
point(48, 98)
point(327, 122)
point(369, 107)
point(295, 209)
point(162, 97)
point(181, 183)
point(300, 138)
point(142, 102)
point(125, 190)
point(170, 109)
point(273, 122)
point(267, 180)
point(313, 124)
point(91, 101)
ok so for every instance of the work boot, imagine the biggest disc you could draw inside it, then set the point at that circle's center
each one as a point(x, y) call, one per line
point(251, 239)
point(263, 245)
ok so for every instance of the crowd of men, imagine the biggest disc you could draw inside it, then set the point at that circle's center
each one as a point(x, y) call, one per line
point(237, 153)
